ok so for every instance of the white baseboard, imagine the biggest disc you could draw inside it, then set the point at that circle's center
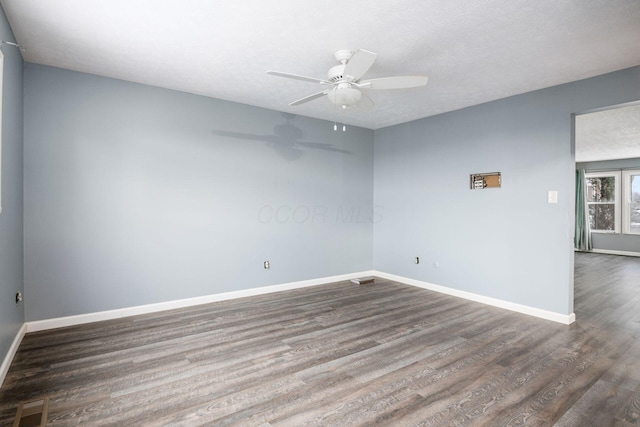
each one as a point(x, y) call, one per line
point(611, 252)
point(565, 319)
point(8, 358)
point(59, 322)
point(40, 325)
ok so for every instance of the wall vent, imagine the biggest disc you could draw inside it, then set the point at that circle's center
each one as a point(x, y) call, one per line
point(363, 280)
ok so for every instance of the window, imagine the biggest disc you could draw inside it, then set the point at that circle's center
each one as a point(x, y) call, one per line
point(613, 201)
point(631, 201)
point(603, 202)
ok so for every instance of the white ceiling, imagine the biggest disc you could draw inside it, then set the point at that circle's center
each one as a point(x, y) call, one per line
point(473, 51)
point(608, 135)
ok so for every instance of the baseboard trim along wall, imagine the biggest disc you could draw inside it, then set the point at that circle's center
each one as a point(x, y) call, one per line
point(59, 322)
point(565, 319)
point(6, 363)
point(612, 252)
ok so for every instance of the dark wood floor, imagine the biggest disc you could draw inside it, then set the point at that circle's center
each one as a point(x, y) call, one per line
point(343, 354)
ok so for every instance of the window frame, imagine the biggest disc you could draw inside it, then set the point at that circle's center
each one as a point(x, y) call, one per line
point(616, 202)
point(626, 200)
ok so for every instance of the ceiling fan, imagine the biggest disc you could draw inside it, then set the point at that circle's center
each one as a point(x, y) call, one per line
point(345, 81)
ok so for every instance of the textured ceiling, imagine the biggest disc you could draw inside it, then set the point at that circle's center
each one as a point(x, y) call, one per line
point(473, 51)
point(608, 135)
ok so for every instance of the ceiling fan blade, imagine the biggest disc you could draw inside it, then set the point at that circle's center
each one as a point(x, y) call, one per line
point(297, 77)
point(359, 64)
point(310, 97)
point(398, 82)
point(365, 103)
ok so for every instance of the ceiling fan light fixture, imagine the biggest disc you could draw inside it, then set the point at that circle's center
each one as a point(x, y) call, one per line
point(344, 96)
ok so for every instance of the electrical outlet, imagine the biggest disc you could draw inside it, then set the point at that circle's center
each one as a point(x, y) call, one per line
point(18, 297)
point(417, 260)
point(266, 265)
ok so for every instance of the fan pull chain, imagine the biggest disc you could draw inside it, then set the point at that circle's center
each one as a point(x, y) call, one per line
point(335, 127)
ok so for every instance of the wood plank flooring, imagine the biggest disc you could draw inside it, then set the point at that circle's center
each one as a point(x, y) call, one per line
point(343, 354)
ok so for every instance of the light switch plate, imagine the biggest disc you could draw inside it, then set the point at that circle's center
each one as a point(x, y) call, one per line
point(552, 197)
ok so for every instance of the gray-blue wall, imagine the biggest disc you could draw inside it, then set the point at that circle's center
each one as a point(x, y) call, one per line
point(136, 195)
point(610, 241)
point(506, 243)
point(11, 258)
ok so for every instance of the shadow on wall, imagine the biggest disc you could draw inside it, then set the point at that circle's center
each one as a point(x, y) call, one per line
point(286, 140)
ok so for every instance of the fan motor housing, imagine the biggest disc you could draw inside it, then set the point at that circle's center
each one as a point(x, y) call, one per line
point(336, 73)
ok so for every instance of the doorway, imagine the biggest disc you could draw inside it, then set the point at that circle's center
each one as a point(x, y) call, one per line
point(607, 150)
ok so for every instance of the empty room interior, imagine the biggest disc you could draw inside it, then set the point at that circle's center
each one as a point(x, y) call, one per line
point(280, 213)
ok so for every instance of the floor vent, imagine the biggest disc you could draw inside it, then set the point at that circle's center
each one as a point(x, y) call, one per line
point(32, 414)
point(362, 280)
